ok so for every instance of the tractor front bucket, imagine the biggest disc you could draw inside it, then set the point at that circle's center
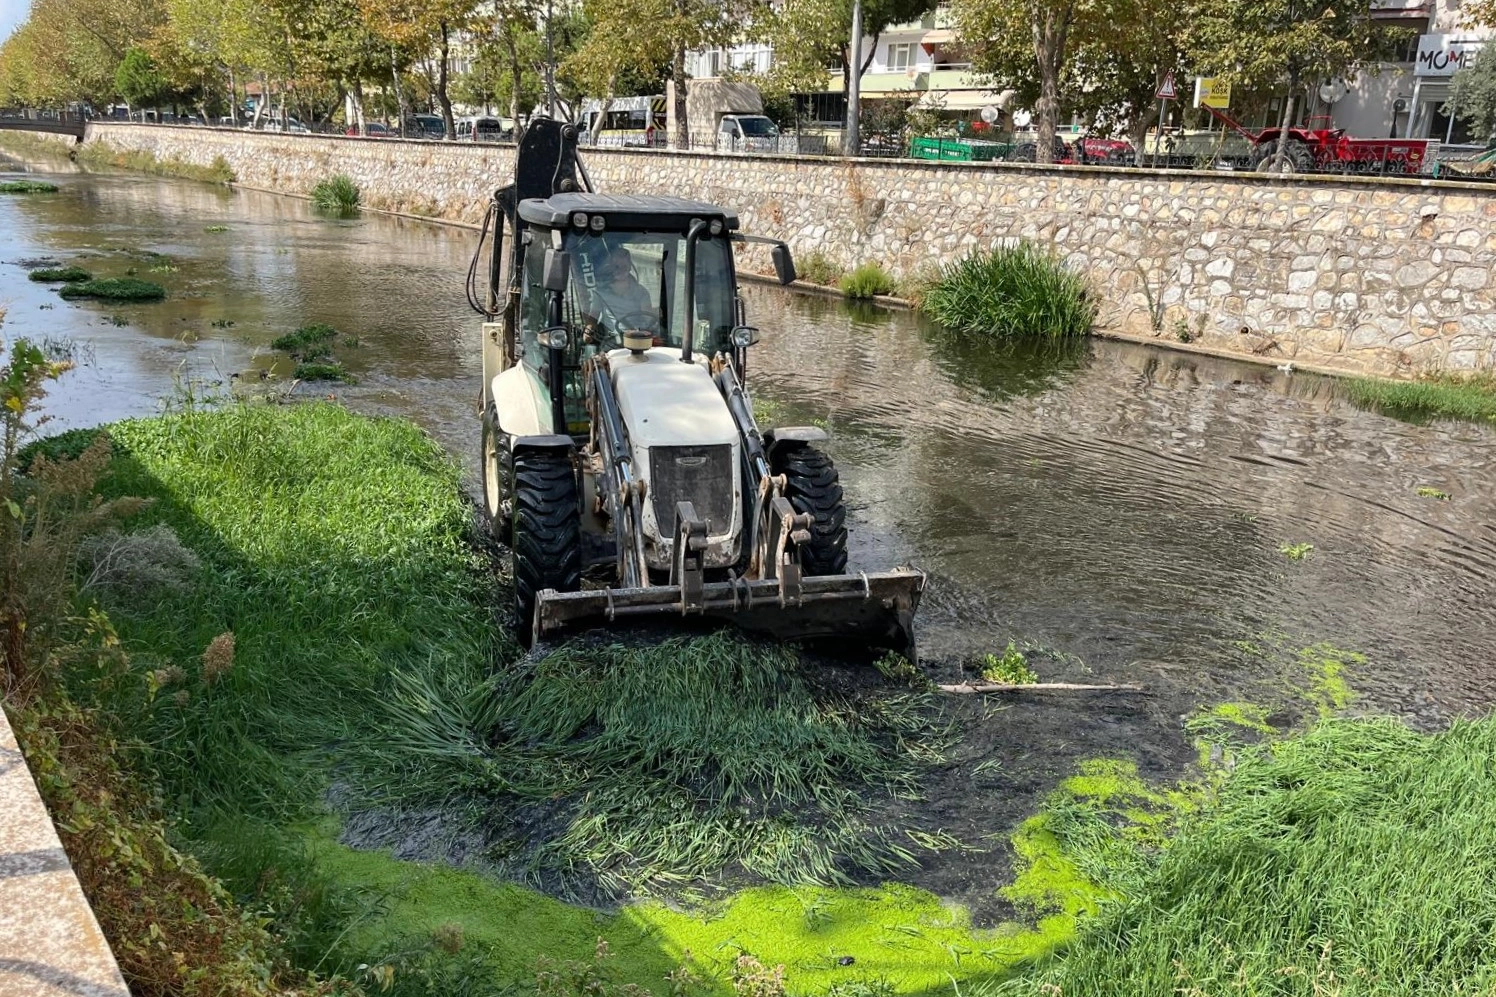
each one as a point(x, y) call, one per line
point(872, 608)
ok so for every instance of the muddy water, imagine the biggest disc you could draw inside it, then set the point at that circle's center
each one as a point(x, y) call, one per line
point(1119, 509)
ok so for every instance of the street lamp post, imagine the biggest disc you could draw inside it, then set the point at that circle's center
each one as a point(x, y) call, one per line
point(550, 63)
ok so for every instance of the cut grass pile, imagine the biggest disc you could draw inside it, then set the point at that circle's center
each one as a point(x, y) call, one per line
point(28, 187)
point(1013, 292)
point(1470, 397)
point(1353, 860)
point(114, 289)
point(670, 762)
point(337, 194)
point(69, 275)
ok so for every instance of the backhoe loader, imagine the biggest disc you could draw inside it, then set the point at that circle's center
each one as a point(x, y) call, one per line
point(621, 460)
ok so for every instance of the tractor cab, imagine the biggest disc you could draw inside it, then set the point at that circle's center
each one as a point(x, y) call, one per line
point(600, 274)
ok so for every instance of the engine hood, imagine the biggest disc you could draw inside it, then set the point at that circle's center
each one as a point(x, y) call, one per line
point(668, 403)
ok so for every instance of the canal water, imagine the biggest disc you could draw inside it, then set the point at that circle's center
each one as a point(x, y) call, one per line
point(1119, 511)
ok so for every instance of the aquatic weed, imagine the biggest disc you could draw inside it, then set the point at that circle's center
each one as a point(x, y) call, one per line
point(63, 274)
point(28, 187)
point(1297, 551)
point(1018, 291)
point(1011, 668)
point(114, 289)
point(1445, 395)
point(1425, 491)
point(337, 194)
point(867, 281)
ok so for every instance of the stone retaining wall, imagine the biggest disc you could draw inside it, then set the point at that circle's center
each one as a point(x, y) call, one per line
point(1358, 275)
point(50, 943)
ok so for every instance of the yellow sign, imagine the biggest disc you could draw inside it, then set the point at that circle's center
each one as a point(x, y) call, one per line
point(1211, 92)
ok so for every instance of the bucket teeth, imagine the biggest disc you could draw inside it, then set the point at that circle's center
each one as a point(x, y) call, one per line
point(872, 608)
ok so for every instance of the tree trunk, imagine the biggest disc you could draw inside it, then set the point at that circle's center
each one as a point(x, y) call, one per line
point(680, 134)
point(516, 78)
point(442, 97)
point(1049, 52)
point(259, 115)
point(1289, 107)
point(357, 94)
point(399, 90)
point(1137, 134)
point(233, 99)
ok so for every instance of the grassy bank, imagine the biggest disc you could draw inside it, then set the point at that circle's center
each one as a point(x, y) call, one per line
point(1470, 397)
point(99, 154)
point(1356, 859)
point(306, 643)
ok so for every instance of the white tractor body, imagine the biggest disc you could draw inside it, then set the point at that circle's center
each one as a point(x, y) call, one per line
point(685, 446)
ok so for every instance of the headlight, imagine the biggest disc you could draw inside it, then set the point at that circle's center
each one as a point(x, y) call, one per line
point(597, 223)
point(554, 338)
point(716, 226)
point(579, 219)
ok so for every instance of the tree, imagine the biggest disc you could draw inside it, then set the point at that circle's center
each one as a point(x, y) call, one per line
point(1024, 45)
point(425, 26)
point(808, 36)
point(136, 79)
point(1272, 43)
point(1472, 96)
point(632, 36)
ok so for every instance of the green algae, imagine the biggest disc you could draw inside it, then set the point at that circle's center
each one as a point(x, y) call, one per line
point(894, 938)
point(1323, 666)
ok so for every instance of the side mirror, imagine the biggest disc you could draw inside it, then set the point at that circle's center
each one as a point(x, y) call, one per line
point(784, 264)
point(744, 336)
point(557, 269)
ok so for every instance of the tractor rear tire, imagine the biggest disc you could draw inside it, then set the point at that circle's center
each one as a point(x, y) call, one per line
point(812, 485)
point(497, 470)
point(1296, 158)
point(546, 531)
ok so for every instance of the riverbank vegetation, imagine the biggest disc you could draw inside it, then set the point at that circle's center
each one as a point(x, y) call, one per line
point(28, 187)
point(869, 280)
point(1448, 395)
point(337, 195)
point(1012, 292)
point(99, 154)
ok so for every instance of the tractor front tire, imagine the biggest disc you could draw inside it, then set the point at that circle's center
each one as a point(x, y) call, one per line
point(497, 469)
point(812, 485)
point(546, 531)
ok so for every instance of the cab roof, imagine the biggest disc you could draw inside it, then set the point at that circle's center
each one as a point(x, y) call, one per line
point(623, 211)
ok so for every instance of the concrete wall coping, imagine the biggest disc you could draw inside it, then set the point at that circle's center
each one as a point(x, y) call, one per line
point(50, 942)
point(930, 166)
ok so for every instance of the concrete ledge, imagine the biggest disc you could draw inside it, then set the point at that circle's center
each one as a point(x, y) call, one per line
point(50, 942)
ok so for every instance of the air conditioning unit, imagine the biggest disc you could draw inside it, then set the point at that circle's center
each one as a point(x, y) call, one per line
point(1401, 105)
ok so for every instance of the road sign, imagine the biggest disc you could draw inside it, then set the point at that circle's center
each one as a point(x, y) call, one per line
point(1211, 92)
point(1166, 89)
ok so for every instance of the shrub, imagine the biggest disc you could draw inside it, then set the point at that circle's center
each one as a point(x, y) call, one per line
point(337, 194)
point(68, 275)
point(28, 187)
point(115, 289)
point(137, 566)
point(867, 281)
point(816, 268)
point(1018, 291)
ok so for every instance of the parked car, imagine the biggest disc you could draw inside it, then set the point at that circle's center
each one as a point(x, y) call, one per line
point(747, 133)
point(426, 126)
point(484, 130)
point(372, 129)
point(1026, 152)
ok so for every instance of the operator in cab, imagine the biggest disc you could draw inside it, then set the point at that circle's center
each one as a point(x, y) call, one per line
point(618, 301)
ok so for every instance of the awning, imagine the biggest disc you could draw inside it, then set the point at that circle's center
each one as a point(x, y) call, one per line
point(1400, 10)
point(965, 100)
point(939, 36)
